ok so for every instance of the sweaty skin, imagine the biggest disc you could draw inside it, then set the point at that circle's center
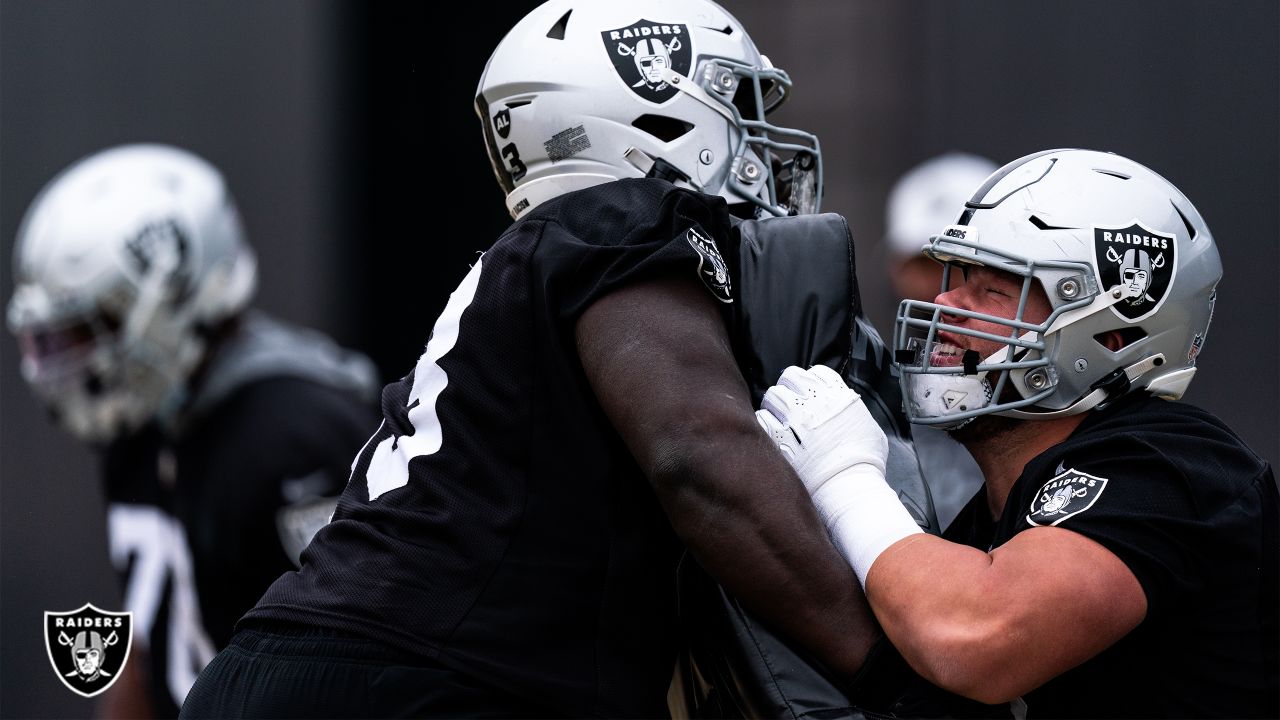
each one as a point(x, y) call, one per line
point(963, 618)
point(658, 357)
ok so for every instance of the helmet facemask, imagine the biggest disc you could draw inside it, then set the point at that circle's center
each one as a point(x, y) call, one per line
point(948, 386)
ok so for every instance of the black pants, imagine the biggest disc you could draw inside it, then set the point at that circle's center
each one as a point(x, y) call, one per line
point(288, 672)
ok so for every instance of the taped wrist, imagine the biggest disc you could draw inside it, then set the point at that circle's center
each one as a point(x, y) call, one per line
point(863, 516)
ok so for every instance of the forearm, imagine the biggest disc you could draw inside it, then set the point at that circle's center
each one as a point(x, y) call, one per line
point(660, 362)
point(751, 524)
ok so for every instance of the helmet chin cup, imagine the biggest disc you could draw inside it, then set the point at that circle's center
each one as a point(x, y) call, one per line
point(944, 401)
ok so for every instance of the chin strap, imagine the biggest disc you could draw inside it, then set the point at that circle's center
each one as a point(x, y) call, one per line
point(1109, 388)
point(687, 86)
point(656, 167)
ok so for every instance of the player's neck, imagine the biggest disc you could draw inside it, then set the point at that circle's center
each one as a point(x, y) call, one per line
point(1002, 447)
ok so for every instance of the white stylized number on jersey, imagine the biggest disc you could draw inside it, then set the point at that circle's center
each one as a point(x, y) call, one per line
point(158, 546)
point(389, 468)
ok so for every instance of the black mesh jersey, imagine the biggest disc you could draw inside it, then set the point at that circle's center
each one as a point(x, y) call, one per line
point(192, 514)
point(496, 522)
point(1193, 513)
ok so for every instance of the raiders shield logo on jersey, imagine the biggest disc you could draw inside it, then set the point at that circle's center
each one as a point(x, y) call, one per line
point(1139, 258)
point(1070, 493)
point(87, 647)
point(640, 52)
point(711, 266)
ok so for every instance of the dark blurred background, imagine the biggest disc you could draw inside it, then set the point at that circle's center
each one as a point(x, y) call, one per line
point(347, 135)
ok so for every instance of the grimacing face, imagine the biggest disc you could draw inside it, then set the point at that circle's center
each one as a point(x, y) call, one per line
point(991, 292)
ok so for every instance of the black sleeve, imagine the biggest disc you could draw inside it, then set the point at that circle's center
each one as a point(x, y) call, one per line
point(270, 444)
point(1133, 499)
point(598, 240)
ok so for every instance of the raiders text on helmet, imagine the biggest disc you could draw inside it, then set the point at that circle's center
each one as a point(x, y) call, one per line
point(1114, 247)
point(582, 92)
point(120, 262)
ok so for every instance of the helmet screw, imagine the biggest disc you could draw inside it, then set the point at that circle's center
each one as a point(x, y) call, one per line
point(1115, 293)
point(706, 157)
point(675, 80)
point(1081, 365)
point(1037, 380)
point(1068, 288)
point(725, 80)
point(750, 171)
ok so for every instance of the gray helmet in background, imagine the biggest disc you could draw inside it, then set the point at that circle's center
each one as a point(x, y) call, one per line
point(929, 196)
point(120, 262)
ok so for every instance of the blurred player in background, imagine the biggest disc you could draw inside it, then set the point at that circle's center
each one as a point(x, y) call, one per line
point(924, 199)
point(224, 434)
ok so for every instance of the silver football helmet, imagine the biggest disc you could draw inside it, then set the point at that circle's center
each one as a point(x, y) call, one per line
point(582, 92)
point(1113, 246)
point(121, 262)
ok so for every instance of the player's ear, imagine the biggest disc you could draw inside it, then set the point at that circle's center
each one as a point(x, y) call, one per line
point(1111, 340)
point(1118, 339)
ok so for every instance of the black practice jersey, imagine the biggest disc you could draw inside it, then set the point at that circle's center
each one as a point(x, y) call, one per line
point(1192, 512)
point(196, 513)
point(496, 522)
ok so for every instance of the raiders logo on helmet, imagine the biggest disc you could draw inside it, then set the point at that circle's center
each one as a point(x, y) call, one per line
point(1140, 259)
point(642, 50)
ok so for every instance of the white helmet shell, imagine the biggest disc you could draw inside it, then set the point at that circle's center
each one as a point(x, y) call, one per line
point(583, 92)
point(120, 262)
point(1114, 247)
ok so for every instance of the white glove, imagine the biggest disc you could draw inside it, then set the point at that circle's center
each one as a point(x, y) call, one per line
point(822, 427)
point(827, 434)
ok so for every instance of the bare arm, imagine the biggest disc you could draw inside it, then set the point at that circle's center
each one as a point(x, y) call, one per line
point(964, 619)
point(658, 357)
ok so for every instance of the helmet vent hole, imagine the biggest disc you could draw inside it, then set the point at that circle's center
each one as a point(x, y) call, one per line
point(745, 99)
point(1191, 231)
point(1044, 225)
point(726, 30)
point(517, 103)
point(557, 31)
point(1112, 173)
point(662, 127)
point(1126, 335)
